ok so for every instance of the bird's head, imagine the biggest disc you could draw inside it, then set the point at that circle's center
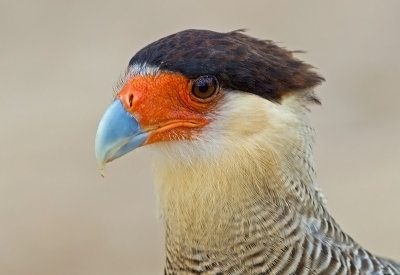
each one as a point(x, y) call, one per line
point(200, 86)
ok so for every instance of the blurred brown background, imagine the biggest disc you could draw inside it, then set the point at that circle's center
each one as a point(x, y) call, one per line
point(58, 63)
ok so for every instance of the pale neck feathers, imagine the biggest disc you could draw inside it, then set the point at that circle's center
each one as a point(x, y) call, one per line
point(255, 152)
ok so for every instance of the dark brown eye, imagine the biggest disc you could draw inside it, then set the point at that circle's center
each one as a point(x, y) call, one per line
point(205, 86)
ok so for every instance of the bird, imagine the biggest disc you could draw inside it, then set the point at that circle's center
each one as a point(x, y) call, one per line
point(225, 117)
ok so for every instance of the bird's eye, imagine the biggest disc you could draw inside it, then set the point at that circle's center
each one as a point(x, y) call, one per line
point(204, 87)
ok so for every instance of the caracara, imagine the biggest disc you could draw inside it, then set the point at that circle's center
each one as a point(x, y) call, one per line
point(226, 115)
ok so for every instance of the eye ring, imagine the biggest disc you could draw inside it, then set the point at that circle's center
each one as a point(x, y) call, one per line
point(204, 87)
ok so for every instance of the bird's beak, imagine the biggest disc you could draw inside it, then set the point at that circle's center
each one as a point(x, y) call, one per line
point(117, 134)
point(149, 109)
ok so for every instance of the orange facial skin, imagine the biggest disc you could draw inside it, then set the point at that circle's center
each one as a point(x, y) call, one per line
point(164, 106)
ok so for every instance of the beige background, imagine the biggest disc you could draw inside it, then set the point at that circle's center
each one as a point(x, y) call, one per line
point(58, 63)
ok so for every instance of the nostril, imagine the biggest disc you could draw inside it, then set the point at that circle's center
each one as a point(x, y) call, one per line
point(130, 100)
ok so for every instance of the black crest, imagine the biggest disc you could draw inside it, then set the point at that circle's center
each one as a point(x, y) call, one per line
point(239, 62)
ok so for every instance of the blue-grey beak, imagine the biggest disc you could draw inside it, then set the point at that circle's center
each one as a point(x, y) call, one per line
point(118, 133)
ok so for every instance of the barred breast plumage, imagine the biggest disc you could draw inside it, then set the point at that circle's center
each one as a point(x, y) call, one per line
point(291, 235)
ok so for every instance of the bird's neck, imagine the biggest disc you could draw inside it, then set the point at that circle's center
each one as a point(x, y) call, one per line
point(254, 190)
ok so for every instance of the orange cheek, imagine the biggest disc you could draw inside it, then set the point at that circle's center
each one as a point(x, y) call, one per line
point(163, 106)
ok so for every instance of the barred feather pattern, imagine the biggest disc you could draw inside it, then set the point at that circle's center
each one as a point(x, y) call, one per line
point(281, 226)
point(308, 246)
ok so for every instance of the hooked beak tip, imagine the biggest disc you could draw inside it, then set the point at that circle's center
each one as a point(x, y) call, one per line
point(118, 133)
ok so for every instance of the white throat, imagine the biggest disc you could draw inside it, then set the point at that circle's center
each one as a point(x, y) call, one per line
point(253, 152)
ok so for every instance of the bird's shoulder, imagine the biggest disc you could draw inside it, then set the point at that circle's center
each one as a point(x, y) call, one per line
point(331, 246)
